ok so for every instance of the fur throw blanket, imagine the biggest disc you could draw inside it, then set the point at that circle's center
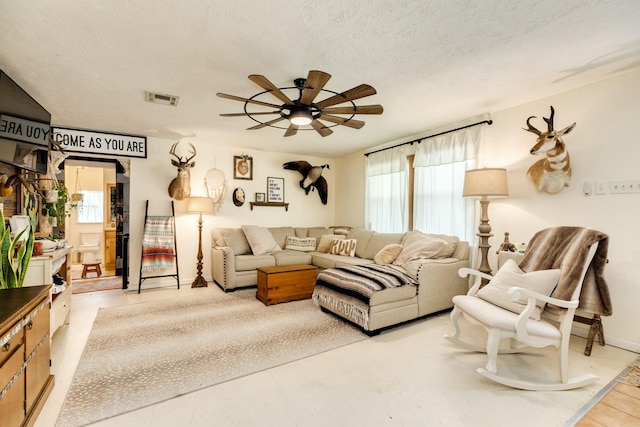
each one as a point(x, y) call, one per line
point(566, 248)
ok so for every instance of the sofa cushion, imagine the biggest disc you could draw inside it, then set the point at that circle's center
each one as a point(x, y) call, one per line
point(236, 240)
point(280, 234)
point(304, 244)
point(260, 239)
point(362, 236)
point(343, 247)
point(379, 241)
point(322, 260)
point(302, 231)
point(417, 245)
point(251, 262)
point(388, 254)
point(449, 248)
point(324, 242)
point(509, 275)
point(289, 257)
point(317, 232)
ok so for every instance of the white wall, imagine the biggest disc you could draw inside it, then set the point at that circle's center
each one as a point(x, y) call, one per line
point(603, 146)
point(150, 179)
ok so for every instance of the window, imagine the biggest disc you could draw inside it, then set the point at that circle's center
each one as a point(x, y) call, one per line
point(91, 208)
point(434, 193)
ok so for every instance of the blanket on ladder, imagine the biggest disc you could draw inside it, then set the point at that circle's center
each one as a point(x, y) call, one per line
point(158, 244)
point(348, 290)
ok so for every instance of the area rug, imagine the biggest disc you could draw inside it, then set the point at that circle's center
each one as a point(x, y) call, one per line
point(81, 286)
point(146, 353)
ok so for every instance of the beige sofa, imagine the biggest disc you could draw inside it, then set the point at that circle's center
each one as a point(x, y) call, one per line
point(234, 266)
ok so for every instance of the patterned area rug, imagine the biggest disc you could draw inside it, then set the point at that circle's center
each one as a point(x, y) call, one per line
point(80, 286)
point(188, 344)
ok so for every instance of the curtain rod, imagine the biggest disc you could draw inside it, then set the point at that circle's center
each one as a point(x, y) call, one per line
point(489, 122)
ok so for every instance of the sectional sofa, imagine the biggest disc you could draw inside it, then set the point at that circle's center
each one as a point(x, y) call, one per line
point(236, 253)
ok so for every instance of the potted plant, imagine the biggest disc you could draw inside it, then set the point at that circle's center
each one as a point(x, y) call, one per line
point(14, 261)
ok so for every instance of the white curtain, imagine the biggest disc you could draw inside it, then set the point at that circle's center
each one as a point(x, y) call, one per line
point(440, 164)
point(91, 209)
point(386, 206)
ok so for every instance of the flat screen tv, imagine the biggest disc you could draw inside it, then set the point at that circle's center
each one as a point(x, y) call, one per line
point(25, 128)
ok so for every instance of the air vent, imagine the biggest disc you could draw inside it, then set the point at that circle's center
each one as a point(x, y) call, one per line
point(161, 98)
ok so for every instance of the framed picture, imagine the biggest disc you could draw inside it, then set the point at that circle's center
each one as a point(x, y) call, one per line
point(242, 167)
point(260, 197)
point(275, 190)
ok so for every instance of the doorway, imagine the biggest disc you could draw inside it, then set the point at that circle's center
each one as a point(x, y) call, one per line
point(97, 223)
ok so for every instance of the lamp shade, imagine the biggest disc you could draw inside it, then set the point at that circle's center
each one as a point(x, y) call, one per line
point(200, 205)
point(489, 182)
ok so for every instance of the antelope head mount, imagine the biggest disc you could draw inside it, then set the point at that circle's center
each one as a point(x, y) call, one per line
point(553, 173)
point(180, 186)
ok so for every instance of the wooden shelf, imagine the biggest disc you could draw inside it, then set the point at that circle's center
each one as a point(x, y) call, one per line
point(279, 205)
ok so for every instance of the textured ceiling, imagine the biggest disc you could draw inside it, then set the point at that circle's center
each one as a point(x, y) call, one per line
point(432, 62)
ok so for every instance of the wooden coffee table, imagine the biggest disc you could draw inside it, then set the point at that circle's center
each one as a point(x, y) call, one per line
point(285, 283)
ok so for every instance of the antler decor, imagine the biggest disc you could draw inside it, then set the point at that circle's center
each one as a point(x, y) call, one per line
point(180, 186)
point(553, 173)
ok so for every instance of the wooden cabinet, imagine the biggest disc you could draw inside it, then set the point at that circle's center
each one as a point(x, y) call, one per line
point(25, 378)
point(284, 283)
point(109, 249)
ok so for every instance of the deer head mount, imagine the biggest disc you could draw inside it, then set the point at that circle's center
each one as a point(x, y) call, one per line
point(180, 186)
point(553, 173)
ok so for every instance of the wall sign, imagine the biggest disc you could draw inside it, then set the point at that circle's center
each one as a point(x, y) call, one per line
point(24, 130)
point(275, 190)
point(86, 141)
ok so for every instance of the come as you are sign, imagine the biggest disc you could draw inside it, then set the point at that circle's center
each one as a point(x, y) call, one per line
point(84, 141)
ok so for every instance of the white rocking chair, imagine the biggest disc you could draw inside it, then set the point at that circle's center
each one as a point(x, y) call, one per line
point(521, 328)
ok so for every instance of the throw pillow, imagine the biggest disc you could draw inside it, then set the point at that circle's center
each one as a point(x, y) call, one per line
point(509, 275)
point(388, 254)
point(343, 247)
point(306, 244)
point(260, 239)
point(417, 246)
point(324, 244)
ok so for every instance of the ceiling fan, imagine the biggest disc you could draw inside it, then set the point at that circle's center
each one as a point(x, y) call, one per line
point(303, 111)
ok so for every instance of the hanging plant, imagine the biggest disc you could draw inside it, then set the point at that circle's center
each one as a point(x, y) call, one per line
point(58, 209)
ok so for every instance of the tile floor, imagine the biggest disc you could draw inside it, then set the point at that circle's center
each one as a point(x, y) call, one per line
point(407, 376)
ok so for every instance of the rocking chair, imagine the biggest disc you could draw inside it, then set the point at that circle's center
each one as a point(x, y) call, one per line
point(525, 313)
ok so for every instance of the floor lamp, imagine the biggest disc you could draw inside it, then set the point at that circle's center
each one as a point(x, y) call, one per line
point(200, 205)
point(485, 183)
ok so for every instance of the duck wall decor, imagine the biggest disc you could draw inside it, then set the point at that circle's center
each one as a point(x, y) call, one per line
point(311, 177)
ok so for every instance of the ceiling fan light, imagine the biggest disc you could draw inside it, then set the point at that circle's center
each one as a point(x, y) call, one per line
point(300, 118)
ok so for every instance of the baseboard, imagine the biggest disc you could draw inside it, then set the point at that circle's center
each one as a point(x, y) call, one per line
point(583, 332)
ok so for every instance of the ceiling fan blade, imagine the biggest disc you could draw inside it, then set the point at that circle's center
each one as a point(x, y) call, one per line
point(315, 82)
point(245, 114)
point(358, 109)
point(265, 124)
point(291, 130)
point(352, 94)
point(352, 123)
point(264, 83)
point(320, 128)
point(250, 101)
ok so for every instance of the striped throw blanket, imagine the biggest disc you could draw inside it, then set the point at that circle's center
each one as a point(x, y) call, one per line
point(158, 244)
point(348, 290)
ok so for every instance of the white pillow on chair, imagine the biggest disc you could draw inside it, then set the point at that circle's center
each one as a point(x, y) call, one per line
point(510, 275)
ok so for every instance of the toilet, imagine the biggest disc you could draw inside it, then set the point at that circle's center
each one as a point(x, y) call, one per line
point(89, 247)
